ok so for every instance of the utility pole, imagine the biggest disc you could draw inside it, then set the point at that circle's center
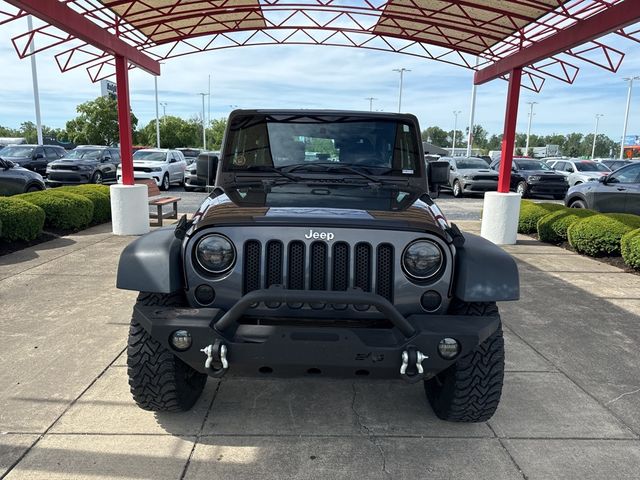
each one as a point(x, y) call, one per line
point(455, 127)
point(204, 123)
point(155, 81)
point(626, 113)
point(164, 109)
point(472, 113)
point(595, 135)
point(526, 148)
point(371, 99)
point(34, 78)
point(401, 72)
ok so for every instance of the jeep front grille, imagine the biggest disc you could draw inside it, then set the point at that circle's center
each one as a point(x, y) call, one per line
point(320, 266)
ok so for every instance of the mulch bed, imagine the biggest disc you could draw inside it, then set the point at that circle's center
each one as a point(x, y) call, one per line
point(613, 261)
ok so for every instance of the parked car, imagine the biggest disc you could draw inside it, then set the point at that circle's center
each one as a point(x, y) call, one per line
point(613, 164)
point(191, 180)
point(15, 179)
point(617, 192)
point(470, 175)
point(534, 177)
point(296, 267)
point(159, 164)
point(33, 157)
point(85, 164)
point(190, 154)
point(580, 171)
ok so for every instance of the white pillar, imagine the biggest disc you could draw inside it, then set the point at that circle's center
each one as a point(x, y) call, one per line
point(34, 79)
point(500, 215)
point(129, 209)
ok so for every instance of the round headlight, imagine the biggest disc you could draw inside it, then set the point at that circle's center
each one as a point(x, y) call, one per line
point(215, 253)
point(422, 259)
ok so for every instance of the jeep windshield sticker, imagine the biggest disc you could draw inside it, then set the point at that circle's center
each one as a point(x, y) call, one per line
point(407, 172)
point(318, 212)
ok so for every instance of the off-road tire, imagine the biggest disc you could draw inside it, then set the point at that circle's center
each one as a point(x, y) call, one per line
point(470, 389)
point(159, 381)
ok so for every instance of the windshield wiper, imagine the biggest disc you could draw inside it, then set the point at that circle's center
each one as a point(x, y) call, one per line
point(331, 167)
point(267, 168)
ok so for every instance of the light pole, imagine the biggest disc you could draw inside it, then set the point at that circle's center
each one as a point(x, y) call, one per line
point(472, 111)
point(455, 127)
point(526, 148)
point(164, 109)
point(626, 113)
point(155, 82)
point(595, 135)
point(401, 72)
point(204, 123)
point(371, 99)
point(34, 78)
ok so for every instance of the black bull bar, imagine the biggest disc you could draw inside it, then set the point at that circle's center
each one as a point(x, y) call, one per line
point(220, 340)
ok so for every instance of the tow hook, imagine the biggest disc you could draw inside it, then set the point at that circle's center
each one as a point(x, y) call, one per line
point(216, 360)
point(411, 369)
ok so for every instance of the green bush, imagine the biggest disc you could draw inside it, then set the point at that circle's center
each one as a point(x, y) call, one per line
point(19, 220)
point(630, 248)
point(600, 234)
point(552, 228)
point(531, 212)
point(64, 210)
point(100, 200)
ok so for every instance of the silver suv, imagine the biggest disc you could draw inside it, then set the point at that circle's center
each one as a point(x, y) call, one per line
point(579, 171)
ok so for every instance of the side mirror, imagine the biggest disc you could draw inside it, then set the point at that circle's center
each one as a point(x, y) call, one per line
point(603, 179)
point(38, 156)
point(173, 160)
point(451, 168)
point(570, 170)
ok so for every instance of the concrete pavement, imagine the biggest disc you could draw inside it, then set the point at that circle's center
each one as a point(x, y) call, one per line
point(570, 408)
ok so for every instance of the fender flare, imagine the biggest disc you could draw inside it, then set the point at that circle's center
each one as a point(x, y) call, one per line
point(484, 272)
point(152, 263)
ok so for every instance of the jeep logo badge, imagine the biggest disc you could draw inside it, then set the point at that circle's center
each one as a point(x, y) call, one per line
point(319, 235)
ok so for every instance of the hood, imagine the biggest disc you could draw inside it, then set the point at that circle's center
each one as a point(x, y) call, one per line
point(472, 171)
point(17, 159)
point(355, 207)
point(539, 172)
point(74, 162)
point(145, 163)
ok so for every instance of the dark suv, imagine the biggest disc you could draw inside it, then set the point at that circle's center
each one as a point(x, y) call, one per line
point(534, 177)
point(32, 157)
point(319, 252)
point(85, 164)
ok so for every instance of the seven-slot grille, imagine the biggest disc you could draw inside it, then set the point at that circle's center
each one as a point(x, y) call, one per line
point(318, 266)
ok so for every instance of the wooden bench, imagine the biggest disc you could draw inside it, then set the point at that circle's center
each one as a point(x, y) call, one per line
point(159, 202)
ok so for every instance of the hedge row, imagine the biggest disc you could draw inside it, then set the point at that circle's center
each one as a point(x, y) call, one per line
point(588, 232)
point(22, 217)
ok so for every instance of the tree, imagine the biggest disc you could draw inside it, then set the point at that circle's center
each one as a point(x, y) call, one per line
point(215, 133)
point(436, 136)
point(573, 145)
point(175, 132)
point(495, 142)
point(479, 137)
point(97, 123)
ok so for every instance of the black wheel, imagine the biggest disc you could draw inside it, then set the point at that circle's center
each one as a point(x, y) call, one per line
point(165, 182)
point(577, 204)
point(159, 381)
point(97, 177)
point(522, 189)
point(33, 188)
point(470, 389)
point(457, 189)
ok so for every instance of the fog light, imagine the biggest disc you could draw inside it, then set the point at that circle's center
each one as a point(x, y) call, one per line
point(431, 300)
point(205, 295)
point(181, 340)
point(448, 348)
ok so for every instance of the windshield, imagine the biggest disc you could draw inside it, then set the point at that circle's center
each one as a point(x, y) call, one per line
point(17, 151)
point(150, 156)
point(83, 153)
point(602, 167)
point(474, 163)
point(531, 165)
point(586, 167)
point(380, 145)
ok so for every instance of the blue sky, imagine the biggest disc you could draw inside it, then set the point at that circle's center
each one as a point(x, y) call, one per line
point(326, 77)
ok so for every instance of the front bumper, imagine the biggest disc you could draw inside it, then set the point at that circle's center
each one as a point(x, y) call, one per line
point(551, 188)
point(142, 176)
point(191, 180)
point(290, 349)
point(479, 186)
point(68, 177)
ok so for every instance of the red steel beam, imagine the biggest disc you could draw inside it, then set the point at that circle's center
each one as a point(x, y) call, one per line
point(124, 119)
point(613, 18)
point(509, 136)
point(59, 15)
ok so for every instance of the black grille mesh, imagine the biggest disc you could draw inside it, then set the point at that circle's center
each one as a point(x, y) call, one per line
point(340, 279)
point(296, 265)
point(384, 268)
point(318, 266)
point(274, 263)
point(362, 271)
point(251, 266)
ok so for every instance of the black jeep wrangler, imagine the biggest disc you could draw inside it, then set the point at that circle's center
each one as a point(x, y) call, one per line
point(320, 252)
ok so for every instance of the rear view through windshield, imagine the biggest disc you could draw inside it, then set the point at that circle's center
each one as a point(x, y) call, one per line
point(382, 146)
